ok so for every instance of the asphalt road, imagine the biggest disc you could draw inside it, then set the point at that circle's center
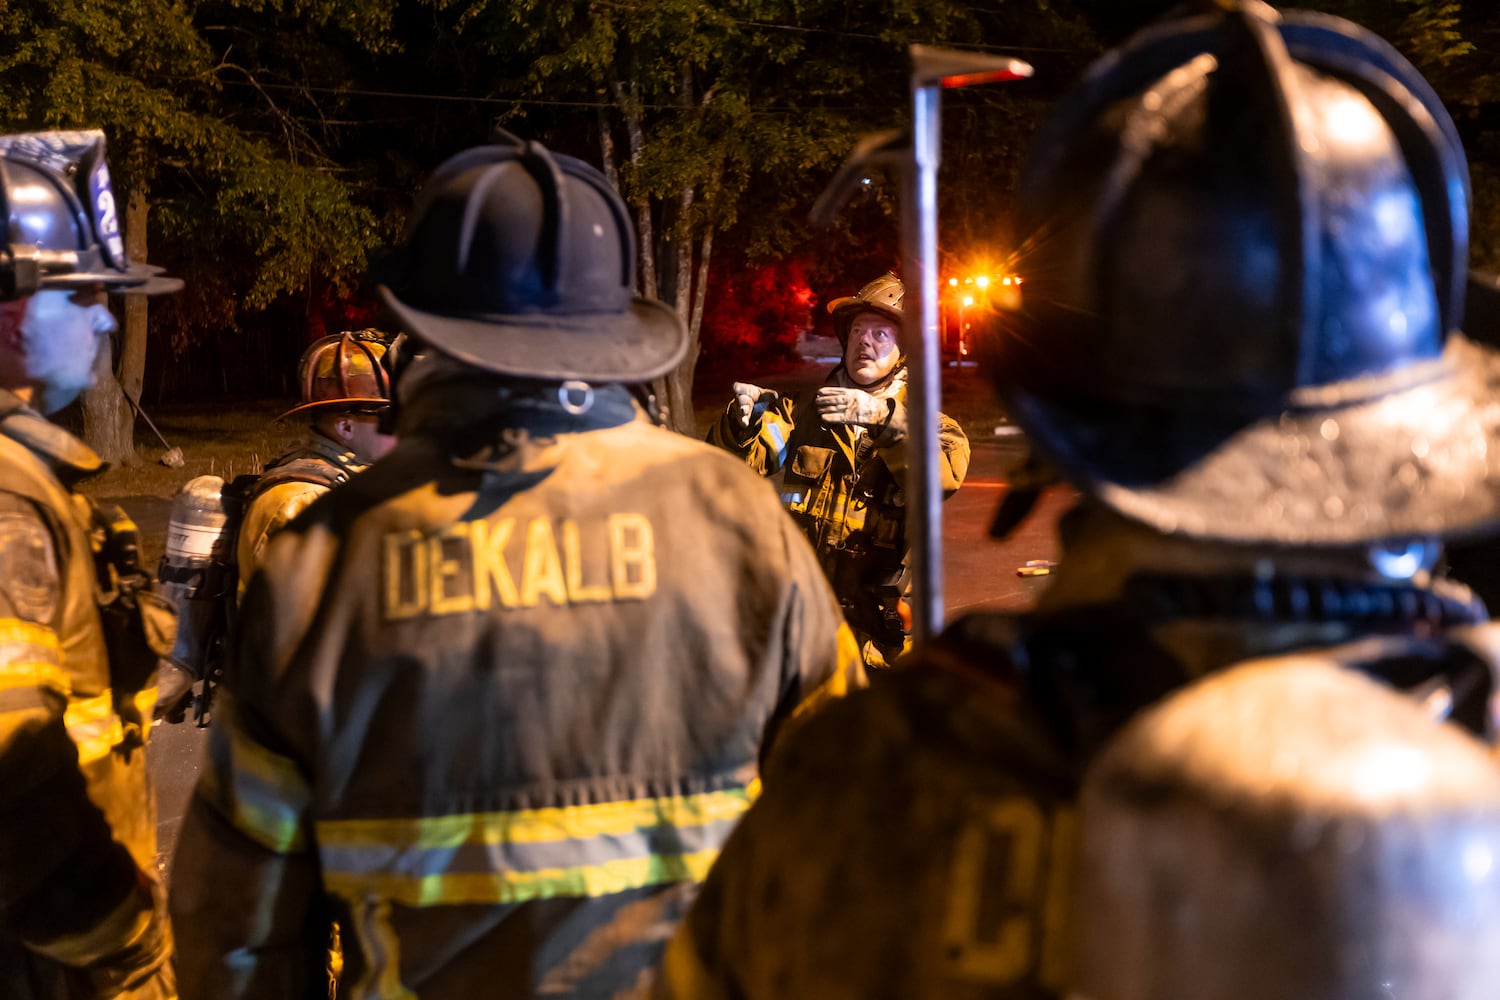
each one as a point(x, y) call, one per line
point(980, 572)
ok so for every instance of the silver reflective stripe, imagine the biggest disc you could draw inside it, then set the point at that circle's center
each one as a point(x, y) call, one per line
point(778, 441)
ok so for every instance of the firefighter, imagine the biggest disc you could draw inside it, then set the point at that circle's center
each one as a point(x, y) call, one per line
point(82, 912)
point(498, 701)
point(1247, 254)
point(345, 394)
point(345, 388)
point(841, 451)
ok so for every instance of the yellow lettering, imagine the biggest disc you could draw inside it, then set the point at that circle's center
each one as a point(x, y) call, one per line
point(1004, 956)
point(402, 547)
point(1059, 890)
point(441, 569)
point(632, 550)
point(573, 561)
point(541, 573)
point(487, 541)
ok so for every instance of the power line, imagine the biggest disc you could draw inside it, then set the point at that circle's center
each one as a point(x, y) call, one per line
point(865, 36)
point(456, 98)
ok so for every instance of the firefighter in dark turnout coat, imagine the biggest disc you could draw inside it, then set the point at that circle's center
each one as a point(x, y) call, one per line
point(82, 913)
point(499, 700)
point(345, 388)
point(841, 452)
point(1247, 256)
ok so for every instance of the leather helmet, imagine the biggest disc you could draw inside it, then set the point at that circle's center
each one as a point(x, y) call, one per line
point(344, 373)
point(884, 295)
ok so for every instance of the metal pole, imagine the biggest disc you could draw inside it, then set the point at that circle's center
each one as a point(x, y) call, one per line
point(932, 71)
point(924, 497)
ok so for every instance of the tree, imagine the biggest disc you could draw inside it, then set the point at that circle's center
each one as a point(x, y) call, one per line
point(696, 103)
point(142, 71)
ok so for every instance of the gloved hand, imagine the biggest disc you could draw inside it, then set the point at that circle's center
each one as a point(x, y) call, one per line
point(837, 405)
point(751, 401)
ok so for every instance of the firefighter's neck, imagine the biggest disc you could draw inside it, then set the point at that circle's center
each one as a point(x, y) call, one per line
point(1105, 556)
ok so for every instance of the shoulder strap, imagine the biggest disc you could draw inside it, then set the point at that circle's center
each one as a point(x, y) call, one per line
point(304, 469)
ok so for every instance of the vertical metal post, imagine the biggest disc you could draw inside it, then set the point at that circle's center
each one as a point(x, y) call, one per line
point(932, 71)
point(924, 497)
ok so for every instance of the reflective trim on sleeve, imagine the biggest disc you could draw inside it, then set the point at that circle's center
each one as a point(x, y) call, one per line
point(124, 926)
point(511, 857)
point(30, 656)
point(776, 438)
point(94, 726)
point(850, 673)
point(261, 793)
point(145, 702)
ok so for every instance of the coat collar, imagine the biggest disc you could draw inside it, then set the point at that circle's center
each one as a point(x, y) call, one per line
point(69, 458)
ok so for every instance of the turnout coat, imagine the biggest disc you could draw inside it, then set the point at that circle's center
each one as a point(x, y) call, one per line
point(496, 704)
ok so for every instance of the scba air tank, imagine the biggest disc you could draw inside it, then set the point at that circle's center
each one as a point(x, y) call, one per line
point(198, 567)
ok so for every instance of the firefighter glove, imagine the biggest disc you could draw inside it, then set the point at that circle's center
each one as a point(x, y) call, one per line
point(838, 405)
point(750, 401)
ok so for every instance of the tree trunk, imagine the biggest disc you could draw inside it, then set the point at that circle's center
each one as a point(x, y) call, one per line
point(700, 292)
point(636, 136)
point(108, 419)
point(607, 150)
point(133, 349)
point(676, 388)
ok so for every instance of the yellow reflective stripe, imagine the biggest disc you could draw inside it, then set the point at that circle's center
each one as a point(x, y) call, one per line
point(30, 656)
point(29, 633)
point(33, 674)
point(540, 825)
point(261, 793)
point(123, 927)
point(850, 664)
point(491, 888)
point(145, 702)
point(94, 726)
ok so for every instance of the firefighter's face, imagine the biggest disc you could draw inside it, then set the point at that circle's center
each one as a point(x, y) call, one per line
point(63, 332)
point(362, 433)
point(873, 349)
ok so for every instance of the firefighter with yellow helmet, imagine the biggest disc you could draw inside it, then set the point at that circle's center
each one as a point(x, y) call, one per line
point(497, 702)
point(1213, 762)
point(841, 452)
point(344, 382)
point(82, 912)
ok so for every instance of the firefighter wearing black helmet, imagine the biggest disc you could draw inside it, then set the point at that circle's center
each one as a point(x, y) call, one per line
point(498, 701)
point(82, 912)
point(1245, 267)
point(841, 452)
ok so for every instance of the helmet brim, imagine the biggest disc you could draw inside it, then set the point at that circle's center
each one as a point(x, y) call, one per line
point(1348, 464)
point(138, 279)
point(646, 341)
point(369, 405)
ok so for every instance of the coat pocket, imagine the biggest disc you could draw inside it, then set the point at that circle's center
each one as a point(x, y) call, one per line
point(810, 462)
